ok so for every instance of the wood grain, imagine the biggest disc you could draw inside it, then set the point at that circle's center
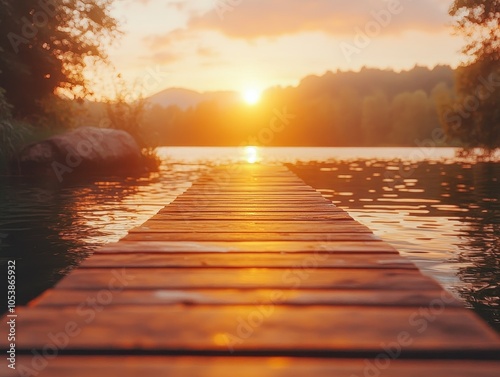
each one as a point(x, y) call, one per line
point(136, 366)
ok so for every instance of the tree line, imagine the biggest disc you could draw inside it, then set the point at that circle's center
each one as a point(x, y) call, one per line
point(371, 107)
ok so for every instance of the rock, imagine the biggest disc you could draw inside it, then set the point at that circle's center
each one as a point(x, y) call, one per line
point(86, 151)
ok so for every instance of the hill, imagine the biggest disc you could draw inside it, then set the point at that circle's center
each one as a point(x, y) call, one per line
point(186, 98)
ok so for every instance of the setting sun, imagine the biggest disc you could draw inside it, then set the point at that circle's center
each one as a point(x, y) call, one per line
point(251, 96)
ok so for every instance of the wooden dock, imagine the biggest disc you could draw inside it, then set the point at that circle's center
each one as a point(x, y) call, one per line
point(251, 273)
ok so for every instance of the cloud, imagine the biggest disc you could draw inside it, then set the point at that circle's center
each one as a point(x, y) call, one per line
point(166, 40)
point(162, 58)
point(273, 18)
point(249, 20)
point(179, 5)
point(206, 52)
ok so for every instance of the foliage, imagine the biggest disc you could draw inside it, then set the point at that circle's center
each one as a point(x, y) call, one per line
point(12, 133)
point(479, 22)
point(47, 44)
point(126, 109)
point(474, 117)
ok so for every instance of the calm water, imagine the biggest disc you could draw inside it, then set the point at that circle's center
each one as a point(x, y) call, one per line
point(441, 212)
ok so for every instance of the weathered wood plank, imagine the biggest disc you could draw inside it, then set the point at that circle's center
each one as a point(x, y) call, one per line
point(278, 330)
point(203, 193)
point(302, 276)
point(270, 195)
point(225, 296)
point(241, 237)
point(154, 222)
point(257, 200)
point(291, 210)
point(249, 260)
point(314, 246)
point(283, 190)
point(265, 184)
point(264, 181)
point(127, 366)
point(263, 207)
point(153, 226)
point(256, 216)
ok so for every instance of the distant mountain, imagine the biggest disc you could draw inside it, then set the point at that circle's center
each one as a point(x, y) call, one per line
point(185, 98)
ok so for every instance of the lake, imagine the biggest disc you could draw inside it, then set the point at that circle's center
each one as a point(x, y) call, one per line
point(440, 211)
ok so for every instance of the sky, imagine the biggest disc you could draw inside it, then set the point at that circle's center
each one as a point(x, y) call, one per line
point(208, 45)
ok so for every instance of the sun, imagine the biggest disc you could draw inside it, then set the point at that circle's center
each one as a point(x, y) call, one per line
point(251, 96)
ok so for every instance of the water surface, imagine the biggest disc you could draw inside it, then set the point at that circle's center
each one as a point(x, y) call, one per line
point(441, 212)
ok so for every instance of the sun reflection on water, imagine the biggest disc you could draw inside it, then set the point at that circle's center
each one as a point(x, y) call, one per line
point(251, 154)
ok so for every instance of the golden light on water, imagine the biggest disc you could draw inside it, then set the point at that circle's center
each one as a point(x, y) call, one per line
point(251, 154)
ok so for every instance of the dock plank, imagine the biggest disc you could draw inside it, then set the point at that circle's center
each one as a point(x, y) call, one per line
point(248, 208)
point(248, 260)
point(219, 226)
point(241, 237)
point(306, 276)
point(317, 246)
point(282, 331)
point(255, 216)
point(254, 200)
point(226, 296)
point(134, 366)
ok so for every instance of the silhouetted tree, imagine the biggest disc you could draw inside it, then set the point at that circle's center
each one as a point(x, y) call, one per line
point(475, 118)
point(47, 44)
point(375, 119)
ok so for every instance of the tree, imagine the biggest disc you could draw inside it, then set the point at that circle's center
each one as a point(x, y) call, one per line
point(475, 114)
point(375, 118)
point(46, 46)
point(125, 110)
point(12, 132)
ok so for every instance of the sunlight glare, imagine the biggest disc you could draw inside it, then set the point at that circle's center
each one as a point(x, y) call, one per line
point(251, 96)
point(251, 154)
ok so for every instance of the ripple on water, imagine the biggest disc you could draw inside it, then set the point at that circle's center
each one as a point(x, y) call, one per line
point(445, 218)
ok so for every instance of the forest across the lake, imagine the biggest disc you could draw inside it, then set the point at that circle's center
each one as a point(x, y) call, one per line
point(370, 107)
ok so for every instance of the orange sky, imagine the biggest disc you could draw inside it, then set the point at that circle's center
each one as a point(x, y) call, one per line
point(237, 44)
